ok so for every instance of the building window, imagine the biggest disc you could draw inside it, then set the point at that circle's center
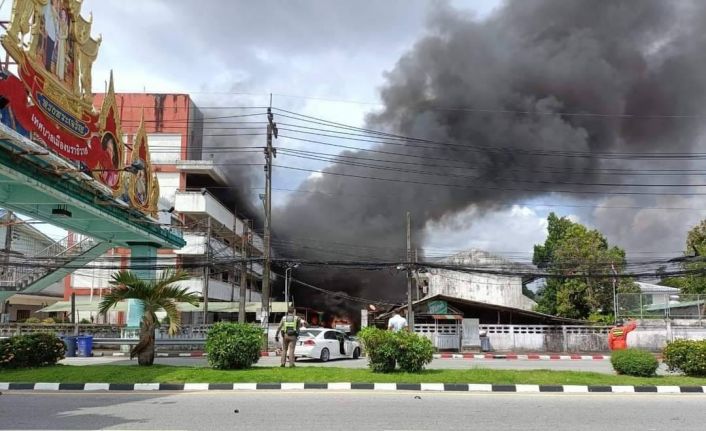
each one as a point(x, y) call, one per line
point(22, 315)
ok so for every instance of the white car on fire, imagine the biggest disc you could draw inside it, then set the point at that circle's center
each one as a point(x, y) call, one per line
point(325, 344)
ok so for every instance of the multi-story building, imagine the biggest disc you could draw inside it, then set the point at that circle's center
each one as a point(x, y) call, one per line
point(19, 239)
point(174, 127)
point(487, 288)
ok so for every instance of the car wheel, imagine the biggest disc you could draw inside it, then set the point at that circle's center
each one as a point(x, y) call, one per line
point(356, 353)
point(325, 355)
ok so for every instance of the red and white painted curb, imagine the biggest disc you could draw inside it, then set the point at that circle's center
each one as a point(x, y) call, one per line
point(501, 356)
point(513, 356)
point(188, 354)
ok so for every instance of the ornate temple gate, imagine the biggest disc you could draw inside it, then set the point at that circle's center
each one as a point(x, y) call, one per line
point(62, 161)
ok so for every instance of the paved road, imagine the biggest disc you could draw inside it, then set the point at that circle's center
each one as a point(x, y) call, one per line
point(596, 366)
point(351, 411)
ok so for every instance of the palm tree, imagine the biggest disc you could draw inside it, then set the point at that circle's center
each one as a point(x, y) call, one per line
point(156, 295)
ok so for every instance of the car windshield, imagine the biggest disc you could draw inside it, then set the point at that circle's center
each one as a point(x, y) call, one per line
point(309, 333)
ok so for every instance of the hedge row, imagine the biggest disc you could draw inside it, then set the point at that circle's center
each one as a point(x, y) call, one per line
point(686, 356)
point(233, 345)
point(32, 350)
point(634, 362)
point(386, 350)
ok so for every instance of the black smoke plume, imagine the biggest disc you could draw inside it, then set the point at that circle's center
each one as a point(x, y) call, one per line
point(524, 103)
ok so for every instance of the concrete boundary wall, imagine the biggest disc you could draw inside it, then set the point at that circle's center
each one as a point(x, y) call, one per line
point(547, 338)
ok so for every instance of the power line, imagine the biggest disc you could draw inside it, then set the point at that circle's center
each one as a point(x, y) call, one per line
point(549, 170)
point(472, 177)
point(489, 187)
point(386, 135)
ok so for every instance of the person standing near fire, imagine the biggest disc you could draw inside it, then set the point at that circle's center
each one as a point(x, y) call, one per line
point(397, 323)
point(289, 330)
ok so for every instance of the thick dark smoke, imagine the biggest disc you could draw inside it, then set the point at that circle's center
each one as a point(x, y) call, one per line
point(500, 90)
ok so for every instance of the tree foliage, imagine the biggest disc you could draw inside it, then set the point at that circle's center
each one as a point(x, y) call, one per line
point(695, 281)
point(582, 264)
point(233, 346)
point(156, 295)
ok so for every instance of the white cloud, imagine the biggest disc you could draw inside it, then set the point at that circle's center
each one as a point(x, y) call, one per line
point(511, 232)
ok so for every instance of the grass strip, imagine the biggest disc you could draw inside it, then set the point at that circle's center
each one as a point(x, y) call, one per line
point(185, 374)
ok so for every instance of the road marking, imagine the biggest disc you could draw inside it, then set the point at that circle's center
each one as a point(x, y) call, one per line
point(575, 389)
point(146, 386)
point(46, 386)
point(480, 388)
point(315, 392)
point(195, 386)
point(385, 386)
point(432, 386)
point(96, 387)
point(292, 386)
point(527, 388)
point(668, 389)
point(623, 389)
point(245, 386)
point(339, 386)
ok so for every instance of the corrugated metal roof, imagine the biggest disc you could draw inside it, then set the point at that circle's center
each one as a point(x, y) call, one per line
point(655, 288)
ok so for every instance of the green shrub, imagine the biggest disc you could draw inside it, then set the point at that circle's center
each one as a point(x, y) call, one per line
point(233, 345)
point(33, 320)
point(381, 348)
point(49, 321)
point(413, 351)
point(634, 362)
point(32, 350)
point(6, 352)
point(85, 321)
point(686, 356)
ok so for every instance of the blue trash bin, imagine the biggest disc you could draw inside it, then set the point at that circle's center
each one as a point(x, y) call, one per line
point(85, 345)
point(70, 343)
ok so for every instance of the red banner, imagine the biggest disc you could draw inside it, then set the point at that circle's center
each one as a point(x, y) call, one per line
point(47, 123)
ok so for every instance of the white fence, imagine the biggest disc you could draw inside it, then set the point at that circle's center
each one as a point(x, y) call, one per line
point(517, 338)
point(444, 336)
point(547, 338)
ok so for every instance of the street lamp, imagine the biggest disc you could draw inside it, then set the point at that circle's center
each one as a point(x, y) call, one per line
point(287, 276)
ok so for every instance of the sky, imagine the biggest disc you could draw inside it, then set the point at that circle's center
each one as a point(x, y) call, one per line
point(329, 59)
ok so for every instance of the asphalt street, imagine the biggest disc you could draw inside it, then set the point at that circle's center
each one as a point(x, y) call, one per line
point(366, 410)
point(602, 366)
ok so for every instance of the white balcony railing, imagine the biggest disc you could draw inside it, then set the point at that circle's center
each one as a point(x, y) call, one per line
point(203, 202)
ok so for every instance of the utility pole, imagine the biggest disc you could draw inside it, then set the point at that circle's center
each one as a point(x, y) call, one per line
point(410, 312)
point(615, 296)
point(206, 272)
point(8, 241)
point(250, 270)
point(243, 273)
point(235, 250)
point(269, 154)
point(416, 278)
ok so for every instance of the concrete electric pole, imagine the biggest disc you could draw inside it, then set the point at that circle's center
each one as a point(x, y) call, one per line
point(244, 252)
point(206, 272)
point(234, 248)
point(270, 153)
point(410, 311)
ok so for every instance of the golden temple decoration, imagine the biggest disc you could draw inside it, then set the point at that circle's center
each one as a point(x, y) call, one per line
point(111, 142)
point(143, 186)
point(56, 40)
